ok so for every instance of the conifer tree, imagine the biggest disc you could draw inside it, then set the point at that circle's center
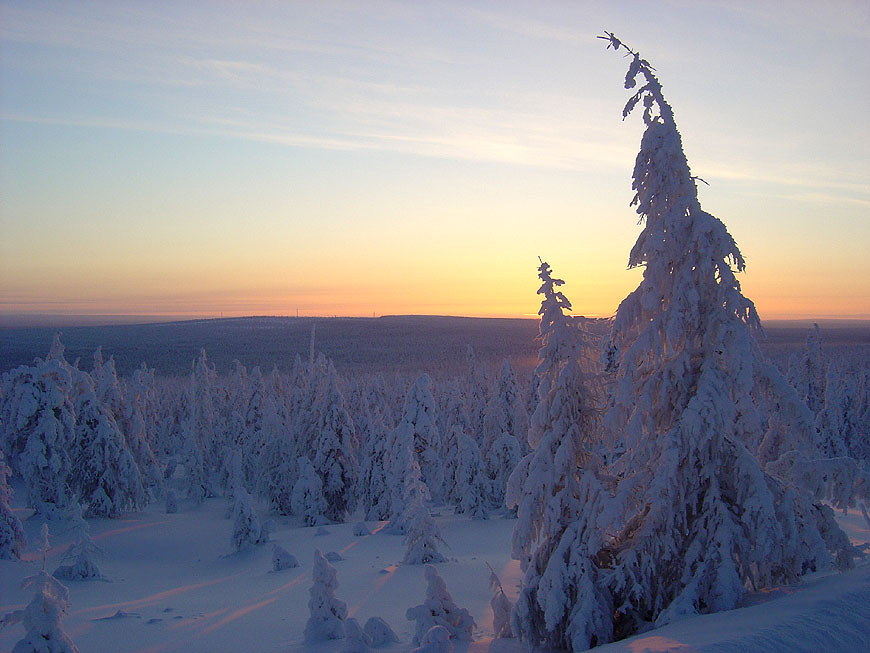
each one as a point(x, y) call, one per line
point(139, 426)
point(247, 530)
point(105, 475)
point(277, 459)
point(422, 538)
point(39, 419)
point(407, 488)
point(42, 617)
point(701, 521)
point(557, 494)
point(11, 531)
point(470, 487)
point(307, 499)
point(83, 554)
point(374, 490)
point(501, 608)
point(439, 609)
point(419, 426)
point(333, 459)
point(327, 613)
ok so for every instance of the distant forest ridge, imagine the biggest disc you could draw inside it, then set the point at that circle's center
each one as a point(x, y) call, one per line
point(389, 344)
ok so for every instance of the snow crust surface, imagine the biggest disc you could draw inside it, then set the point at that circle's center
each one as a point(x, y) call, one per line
point(176, 585)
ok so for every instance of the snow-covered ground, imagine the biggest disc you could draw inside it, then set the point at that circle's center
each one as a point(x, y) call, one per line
point(173, 584)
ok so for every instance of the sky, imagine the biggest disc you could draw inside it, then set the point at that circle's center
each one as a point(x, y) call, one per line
point(369, 158)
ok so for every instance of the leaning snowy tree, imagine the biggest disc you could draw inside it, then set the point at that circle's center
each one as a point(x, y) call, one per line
point(702, 522)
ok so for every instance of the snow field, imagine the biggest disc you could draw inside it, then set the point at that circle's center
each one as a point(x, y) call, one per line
point(175, 583)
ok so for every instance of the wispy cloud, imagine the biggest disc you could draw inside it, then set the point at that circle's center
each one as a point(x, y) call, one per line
point(525, 26)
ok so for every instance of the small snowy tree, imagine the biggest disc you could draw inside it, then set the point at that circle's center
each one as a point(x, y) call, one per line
point(439, 609)
point(282, 558)
point(307, 499)
point(379, 632)
point(470, 484)
point(501, 608)
point(42, 617)
point(247, 530)
point(422, 538)
point(327, 613)
point(506, 411)
point(502, 457)
point(356, 640)
point(407, 487)
point(195, 467)
point(83, 554)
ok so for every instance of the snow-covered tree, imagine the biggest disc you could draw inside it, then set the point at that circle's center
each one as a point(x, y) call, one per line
point(501, 608)
point(307, 498)
point(355, 638)
point(247, 530)
point(808, 375)
point(327, 613)
point(282, 558)
point(556, 492)
point(105, 475)
point(333, 458)
point(439, 609)
point(277, 468)
point(829, 420)
point(505, 412)
point(407, 489)
point(700, 520)
point(470, 490)
point(419, 424)
point(139, 426)
point(39, 421)
point(854, 432)
point(374, 472)
point(42, 617)
point(11, 531)
point(83, 555)
point(196, 475)
point(379, 632)
point(171, 502)
point(476, 396)
point(422, 538)
point(560, 340)
point(201, 456)
point(502, 458)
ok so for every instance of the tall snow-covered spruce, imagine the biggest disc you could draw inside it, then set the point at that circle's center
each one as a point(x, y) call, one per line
point(702, 522)
point(558, 496)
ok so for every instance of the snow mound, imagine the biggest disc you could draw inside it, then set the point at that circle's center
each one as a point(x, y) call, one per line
point(360, 529)
point(829, 614)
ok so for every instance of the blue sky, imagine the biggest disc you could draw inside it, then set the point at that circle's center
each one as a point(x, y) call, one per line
point(380, 157)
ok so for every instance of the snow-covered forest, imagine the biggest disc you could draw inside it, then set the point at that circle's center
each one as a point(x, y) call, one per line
point(650, 468)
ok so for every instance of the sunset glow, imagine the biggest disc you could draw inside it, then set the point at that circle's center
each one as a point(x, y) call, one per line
point(359, 159)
